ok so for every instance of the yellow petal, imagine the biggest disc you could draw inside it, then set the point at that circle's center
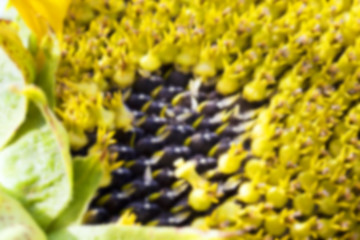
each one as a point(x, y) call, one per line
point(40, 14)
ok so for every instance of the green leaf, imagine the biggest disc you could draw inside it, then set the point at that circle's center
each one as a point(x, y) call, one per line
point(36, 168)
point(16, 222)
point(47, 54)
point(87, 176)
point(17, 69)
point(45, 78)
point(118, 232)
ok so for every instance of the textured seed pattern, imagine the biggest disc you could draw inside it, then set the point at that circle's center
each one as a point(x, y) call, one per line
point(230, 115)
point(147, 184)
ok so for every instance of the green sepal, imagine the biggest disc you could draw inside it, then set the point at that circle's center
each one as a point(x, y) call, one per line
point(119, 232)
point(36, 167)
point(45, 78)
point(16, 222)
point(17, 69)
point(87, 177)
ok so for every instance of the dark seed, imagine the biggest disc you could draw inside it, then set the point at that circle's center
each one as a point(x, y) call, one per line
point(167, 197)
point(179, 79)
point(139, 166)
point(166, 68)
point(190, 119)
point(121, 176)
point(128, 137)
point(237, 119)
point(201, 96)
point(124, 152)
point(222, 146)
point(178, 220)
point(202, 142)
point(164, 176)
point(100, 193)
point(232, 131)
point(247, 144)
point(181, 114)
point(163, 220)
point(210, 108)
point(171, 153)
point(152, 123)
point(147, 85)
point(140, 188)
point(167, 93)
point(172, 111)
point(204, 164)
point(156, 107)
point(214, 95)
point(181, 205)
point(116, 201)
point(137, 134)
point(246, 105)
point(207, 87)
point(188, 116)
point(230, 187)
point(137, 101)
point(228, 132)
point(149, 145)
point(97, 216)
point(138, 114)
point(145, 211)
point(178, 133)
point(184, 99)
point(209, 124)
point(218, 177)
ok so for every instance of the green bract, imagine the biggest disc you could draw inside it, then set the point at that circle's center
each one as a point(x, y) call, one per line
point(16, 70)
point(116, 232)
point(87, 176)
point(36, 167)
point(16, 222)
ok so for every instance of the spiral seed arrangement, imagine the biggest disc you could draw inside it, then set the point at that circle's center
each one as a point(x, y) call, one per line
point(231, 115)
